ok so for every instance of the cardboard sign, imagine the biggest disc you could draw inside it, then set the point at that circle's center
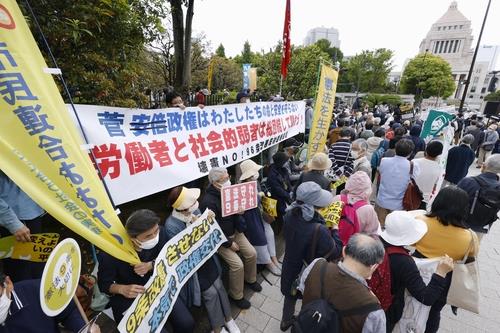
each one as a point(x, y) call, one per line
point(269, 206)
point(38, 250)
point(239, 197)
point(60, 277)
point(332, 213)
point(178, 260)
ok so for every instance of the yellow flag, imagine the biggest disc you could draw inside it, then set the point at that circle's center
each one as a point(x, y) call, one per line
point(40, 147)
point(323, 110)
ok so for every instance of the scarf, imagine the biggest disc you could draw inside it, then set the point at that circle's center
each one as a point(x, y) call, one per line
point(307, 210)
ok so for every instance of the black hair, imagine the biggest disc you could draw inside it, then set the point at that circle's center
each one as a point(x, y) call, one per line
point(400, 131)
point(345, 132)
point(451, 207)
point(393, 142)
point(141, 221)
point(169, 97)
point(404, 147)
point(340, 123)
point(368, 126)
point(434, 149)
point(380, 133)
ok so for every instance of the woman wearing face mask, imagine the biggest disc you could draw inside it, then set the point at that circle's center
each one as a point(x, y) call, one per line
point(184, 202)
point(124, 282)
point(259, 233)
point(306, 238)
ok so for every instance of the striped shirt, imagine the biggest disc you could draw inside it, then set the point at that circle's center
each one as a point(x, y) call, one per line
point(340, 155)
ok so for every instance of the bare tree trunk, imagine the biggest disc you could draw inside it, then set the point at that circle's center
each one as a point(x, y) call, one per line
point(187, 46)
point(178, 29)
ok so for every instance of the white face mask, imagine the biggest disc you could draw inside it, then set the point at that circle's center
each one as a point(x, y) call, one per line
point(226, 183)
point(354, 154)
point(149, 244)
point(194, 207)
point(4, 305)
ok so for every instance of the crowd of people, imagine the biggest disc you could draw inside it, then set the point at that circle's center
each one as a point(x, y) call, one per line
point(367, 164)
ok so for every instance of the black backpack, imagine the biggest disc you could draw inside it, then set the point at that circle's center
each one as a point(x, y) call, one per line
point(485, 204)
point(319, 316)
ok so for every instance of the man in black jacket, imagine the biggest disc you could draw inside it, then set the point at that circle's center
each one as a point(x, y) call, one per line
point(240, 271)
point(459, 160)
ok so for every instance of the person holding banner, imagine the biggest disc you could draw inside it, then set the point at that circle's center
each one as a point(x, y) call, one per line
point(21, 217)
point(240, 271)
point(259, 233)
point(21, 311)
point(124, 282)
point(184, 202)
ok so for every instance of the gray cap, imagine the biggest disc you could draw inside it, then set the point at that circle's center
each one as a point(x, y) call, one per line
point(216, 174)
point(468, 139)
point(312, 194)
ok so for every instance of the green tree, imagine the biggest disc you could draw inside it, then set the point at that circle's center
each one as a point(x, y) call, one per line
point(246, 54)
point(493, 97)
point(334, 52)
point(427, 75)
point(374, 99)
point(221, 51)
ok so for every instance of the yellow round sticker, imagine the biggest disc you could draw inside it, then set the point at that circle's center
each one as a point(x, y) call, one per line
point(60, 277)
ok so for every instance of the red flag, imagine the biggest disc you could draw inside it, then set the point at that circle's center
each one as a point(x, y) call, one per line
point(285, 59)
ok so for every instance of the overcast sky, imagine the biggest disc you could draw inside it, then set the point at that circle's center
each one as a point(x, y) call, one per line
point(399, 25)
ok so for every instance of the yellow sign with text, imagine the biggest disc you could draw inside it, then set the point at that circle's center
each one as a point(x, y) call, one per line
point(323, 110)
point(38, 250)
point(332, 213)
point(269, 206)
point(40, 147)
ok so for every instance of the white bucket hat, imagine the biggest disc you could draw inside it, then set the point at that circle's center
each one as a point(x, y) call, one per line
point(403, 229)
point(248, 169)
point(319, 161)
point(186, 198)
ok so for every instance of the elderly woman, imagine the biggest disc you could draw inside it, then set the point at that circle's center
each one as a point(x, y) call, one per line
point(356, 195)
point(124, 282)
point(359, 152)
point(447, 234)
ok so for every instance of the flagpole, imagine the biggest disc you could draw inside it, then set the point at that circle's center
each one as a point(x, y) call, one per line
point(281, 84)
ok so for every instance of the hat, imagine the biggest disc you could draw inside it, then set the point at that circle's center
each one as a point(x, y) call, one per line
point(205, 92)
point(319, 161)
point(291, 143)
point(240, 95)
point(280, 158)
point(402, 228)
point(248, 169)
point(468, 139)
point(312, 194)
point(186, 198)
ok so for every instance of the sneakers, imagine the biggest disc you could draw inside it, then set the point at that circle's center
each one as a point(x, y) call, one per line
point(254, 286)
point(284, 325)
point(273, 269)
point(241, 303)
point(232, 327)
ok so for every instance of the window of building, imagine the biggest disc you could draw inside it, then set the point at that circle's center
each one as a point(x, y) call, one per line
point(481, 97)
point(471, 96)
point(445, 47)
point(441, 46)
point(461, 27)
point(439, 28)
point(483, 90)
point(449, 27)
point(455, 49)
point(450, 49)
point(455, 28)
point(436, 45)
point(473, 89)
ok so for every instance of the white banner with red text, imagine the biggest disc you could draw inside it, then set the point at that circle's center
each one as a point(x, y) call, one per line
point(141, 152)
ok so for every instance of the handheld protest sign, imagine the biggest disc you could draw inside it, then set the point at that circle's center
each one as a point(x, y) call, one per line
point(332, 213)
point(60, 277)
point(37, 250)
point(239, 197)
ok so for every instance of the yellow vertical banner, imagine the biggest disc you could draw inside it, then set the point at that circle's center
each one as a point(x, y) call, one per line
point(323, 110)
point(41, 149)
point(252, 74)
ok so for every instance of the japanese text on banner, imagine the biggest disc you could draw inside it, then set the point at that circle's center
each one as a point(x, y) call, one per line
point(134, 148)
point(178, 260)
point(239, 197)
point(323, 110)
point(40, 146)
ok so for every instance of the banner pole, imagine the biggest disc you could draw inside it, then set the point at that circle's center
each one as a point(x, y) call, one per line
point(80, 309)
point(318, 76)
point(66, 90)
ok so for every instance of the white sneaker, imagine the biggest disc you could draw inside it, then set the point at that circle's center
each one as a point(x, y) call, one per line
point(273, 269)
point(232, 327)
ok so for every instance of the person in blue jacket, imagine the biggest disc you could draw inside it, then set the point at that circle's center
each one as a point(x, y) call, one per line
point(21, 311)
point(306, 238)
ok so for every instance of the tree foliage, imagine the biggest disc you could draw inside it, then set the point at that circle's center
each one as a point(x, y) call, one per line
point(221, 51)
point(334, 53)
point(493, 97)
point(375, 99)
point(428, 75)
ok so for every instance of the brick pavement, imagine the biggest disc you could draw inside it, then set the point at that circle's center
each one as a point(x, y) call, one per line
point(265, 313)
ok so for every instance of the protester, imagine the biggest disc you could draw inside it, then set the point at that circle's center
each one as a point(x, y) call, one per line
point(459, 127)
point(334, 134)
point(345, 285)
point(21, 310)
point(356, 196)
point(242, 97)
point(475, 131)
point(124, 282)
point(200, 96)
point(241, 270)
point(259, 233)
point(278, 181)
point(403, 230)
point(358, 153)
point(447, 235)
point(184, 202)
point(340, 155)
point(374, 143)
point(316, 168)
point(308, 118)
point(417, 140)
point(21, 217)
point(306, 238)
point(488, 180)
point(429, 171)
point(394, 179)
point(487, 145)
point(368, 132)
point(174, 100)
point(459, 160)
point(291, 147)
